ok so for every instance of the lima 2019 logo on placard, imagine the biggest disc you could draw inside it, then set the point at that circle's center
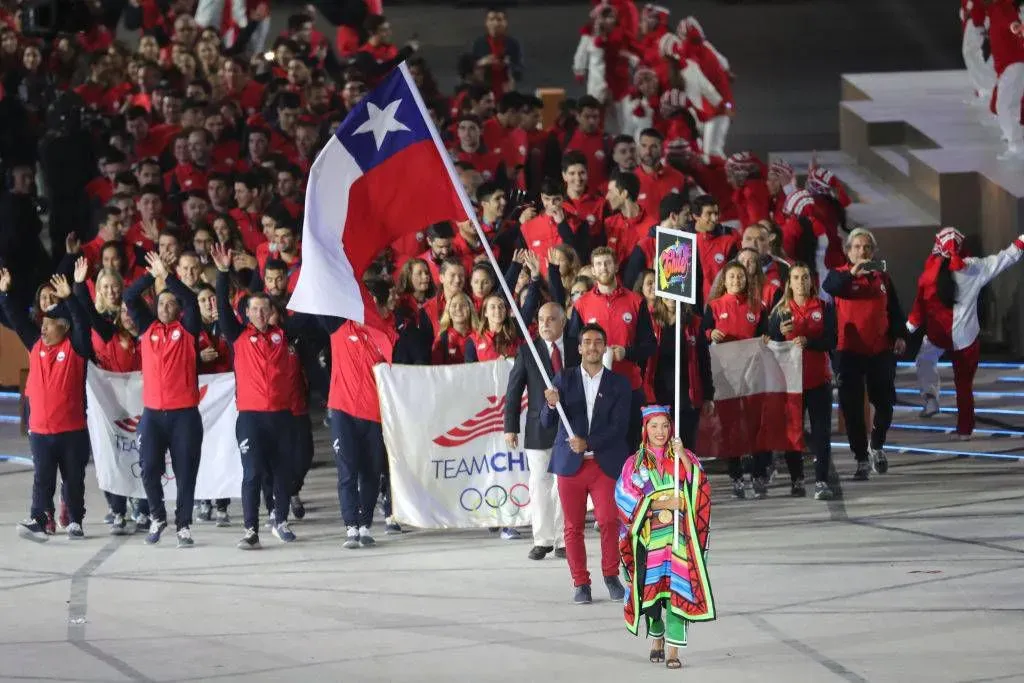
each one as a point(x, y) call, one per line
point(675, 266)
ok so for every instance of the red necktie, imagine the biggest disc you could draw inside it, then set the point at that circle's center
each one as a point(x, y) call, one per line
point(556, 359)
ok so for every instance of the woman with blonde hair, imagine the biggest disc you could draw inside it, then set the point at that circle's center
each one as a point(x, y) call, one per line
point(458, 322)
point(803, 318)
point(114, 349)
point(734, 313)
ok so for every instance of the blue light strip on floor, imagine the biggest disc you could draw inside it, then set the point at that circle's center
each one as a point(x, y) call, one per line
point(952, 411)
point(950, 429)
point(977, 394)
point(10, 419)
point(1011, 379)
point(911, 450)
point(19, 459)
point(982, 365)
point(9, 395)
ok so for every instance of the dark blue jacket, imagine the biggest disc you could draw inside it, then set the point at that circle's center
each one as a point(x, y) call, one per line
point(606, 434)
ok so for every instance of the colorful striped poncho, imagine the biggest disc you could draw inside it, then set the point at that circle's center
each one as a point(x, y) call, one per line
point(654, 571)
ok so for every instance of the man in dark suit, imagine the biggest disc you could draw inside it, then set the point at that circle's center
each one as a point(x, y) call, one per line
point(556, 352)
point(596, 402)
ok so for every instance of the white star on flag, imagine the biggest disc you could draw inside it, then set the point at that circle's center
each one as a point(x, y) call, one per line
point(381, 122)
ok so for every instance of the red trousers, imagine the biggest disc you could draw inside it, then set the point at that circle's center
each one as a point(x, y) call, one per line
point(965, 366)
point(573, 491)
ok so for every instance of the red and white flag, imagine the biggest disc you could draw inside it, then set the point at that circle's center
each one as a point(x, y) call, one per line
point(758, 400)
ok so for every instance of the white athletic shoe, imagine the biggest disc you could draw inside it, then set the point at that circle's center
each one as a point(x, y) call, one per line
point(931, 407)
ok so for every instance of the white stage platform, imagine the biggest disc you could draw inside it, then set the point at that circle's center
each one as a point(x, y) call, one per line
point(915, 155)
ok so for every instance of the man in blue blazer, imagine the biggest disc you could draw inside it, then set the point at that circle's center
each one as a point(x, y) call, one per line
point(596, 402)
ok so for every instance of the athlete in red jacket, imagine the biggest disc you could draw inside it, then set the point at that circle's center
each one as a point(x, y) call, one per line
point(169, 344)
point(750, 192)
point(264, 388)
point(804, 319)
point(623, 315)
point(872, 328)
point(58, 351)
point(734, 313)
point(358, 441)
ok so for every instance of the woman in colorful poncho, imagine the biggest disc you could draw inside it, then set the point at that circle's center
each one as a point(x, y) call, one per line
point(666, 576)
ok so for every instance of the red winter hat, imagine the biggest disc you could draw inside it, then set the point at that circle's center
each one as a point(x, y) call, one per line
point(798, 203)
point(948, 244)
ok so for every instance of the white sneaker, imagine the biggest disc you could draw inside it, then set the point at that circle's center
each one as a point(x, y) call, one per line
point(879, 463)
point(185, 537)
point(351, 538)
point(931, 407)
point(365, 537)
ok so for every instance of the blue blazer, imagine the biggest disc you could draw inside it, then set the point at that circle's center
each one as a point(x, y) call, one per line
point(606, 436)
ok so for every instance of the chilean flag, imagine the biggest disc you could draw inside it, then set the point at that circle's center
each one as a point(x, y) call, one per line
point(384, 174)
point(759, 402)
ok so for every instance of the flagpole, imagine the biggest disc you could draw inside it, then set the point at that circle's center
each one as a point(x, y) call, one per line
point(675, 414)
point(467, 206)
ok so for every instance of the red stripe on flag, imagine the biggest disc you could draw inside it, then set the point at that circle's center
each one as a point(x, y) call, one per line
point(397, 197)
point(744, 425)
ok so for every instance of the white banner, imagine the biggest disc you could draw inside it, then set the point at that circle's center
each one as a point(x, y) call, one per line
point(114, 403)
point(450, 467)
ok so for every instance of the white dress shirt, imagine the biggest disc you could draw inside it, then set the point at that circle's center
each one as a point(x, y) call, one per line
point(590, 389)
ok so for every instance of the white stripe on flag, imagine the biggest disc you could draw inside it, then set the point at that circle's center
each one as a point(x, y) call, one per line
point(327, 283)
point(749, 367)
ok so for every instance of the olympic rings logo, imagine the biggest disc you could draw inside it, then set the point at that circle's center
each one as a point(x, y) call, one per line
point(495, 497)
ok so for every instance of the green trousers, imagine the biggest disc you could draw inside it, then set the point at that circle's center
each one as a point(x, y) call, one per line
point(664, 623)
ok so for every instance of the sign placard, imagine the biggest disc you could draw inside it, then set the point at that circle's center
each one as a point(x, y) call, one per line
point(675, 265)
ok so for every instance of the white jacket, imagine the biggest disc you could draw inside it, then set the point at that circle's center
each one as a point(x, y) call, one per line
point(976, 273)
point(589, 63)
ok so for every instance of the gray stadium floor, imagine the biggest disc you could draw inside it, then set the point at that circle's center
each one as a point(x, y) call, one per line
point(914, 576)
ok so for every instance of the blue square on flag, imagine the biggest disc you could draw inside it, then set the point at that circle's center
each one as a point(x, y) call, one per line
point(384, 123)
point(383, 175)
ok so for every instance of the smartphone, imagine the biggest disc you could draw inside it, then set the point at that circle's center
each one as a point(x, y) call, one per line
point(877, 266)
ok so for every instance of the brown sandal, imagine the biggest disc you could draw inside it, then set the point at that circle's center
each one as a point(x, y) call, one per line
point(674, 662)
point(658, 654)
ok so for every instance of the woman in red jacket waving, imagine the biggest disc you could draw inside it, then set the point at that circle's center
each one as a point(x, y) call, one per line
point(810, 323)
point(734, 313)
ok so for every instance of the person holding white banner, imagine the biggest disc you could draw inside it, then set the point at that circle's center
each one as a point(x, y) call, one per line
point(561, 352)
point(58, 352)
point(169, 344)
point(358, 440)
point(113, 348)
point(263, 391)
point(735, 313)
point(804, 319)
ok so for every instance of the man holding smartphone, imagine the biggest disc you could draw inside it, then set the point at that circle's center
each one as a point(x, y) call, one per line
point(872, 328)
